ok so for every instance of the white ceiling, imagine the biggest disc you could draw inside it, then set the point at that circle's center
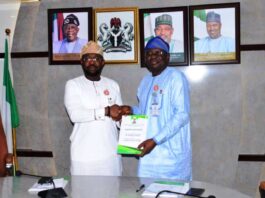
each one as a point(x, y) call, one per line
point(15, 1)
point(8, 1)
point(8, 17)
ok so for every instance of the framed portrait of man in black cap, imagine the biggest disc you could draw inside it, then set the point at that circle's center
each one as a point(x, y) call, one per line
point(214, 34)
point(171, 25)
point(68, 31)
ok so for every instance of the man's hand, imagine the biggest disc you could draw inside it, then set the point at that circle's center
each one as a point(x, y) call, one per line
point(115, 112)
point(146, 146)
point(126, 110)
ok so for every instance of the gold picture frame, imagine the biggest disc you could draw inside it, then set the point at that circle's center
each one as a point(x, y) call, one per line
point(116, 31)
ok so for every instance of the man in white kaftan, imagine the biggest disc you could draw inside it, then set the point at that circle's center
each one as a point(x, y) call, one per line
point(92, 102)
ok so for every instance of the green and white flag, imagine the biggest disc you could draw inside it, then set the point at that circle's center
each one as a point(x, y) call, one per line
point(9, 110)
point(148, 31)
point(57, 31)
point(200, 14)
point(199, 17)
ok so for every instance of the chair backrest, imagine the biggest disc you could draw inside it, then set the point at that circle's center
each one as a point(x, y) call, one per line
point(3, 150)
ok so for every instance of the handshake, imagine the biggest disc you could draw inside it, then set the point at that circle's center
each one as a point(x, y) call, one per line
point(116, 112)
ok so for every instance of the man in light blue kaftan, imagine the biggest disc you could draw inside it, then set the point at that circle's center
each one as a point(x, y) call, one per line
point(215, 42)
point(163, 95)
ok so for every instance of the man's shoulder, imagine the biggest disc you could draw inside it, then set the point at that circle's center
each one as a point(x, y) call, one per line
point(57, 42)
point(56, 46)
point(75, 80)
point(112, 84)
point(147, 77)
point(174, 74)
point(82, 41)
point(177, 78)
point(174, 71)
point(176, 41)
point(227, 38)
point(202, 40)
point(109, 80)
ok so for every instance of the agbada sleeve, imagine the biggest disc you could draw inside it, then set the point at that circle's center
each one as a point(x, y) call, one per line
point(77, 112)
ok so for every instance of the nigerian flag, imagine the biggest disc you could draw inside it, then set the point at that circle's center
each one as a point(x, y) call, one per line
point(9, 110)
point(149, 31)
point(199, 17)
point(57, 32)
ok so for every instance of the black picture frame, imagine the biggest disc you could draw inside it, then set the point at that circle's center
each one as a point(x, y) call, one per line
point(57, 51)
point(218, 41)
point(147, 18)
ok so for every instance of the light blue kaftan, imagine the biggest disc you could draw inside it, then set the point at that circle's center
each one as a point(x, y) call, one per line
point(69, 47)
point(208, 45)
point(165, 99)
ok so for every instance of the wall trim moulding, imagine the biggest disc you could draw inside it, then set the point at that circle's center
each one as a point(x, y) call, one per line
point(251, 157)
point(250, 47)
point(33, 153)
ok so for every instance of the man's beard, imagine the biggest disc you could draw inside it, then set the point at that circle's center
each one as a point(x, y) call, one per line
point(92, 74)
point(156, 70)
point(166, 39)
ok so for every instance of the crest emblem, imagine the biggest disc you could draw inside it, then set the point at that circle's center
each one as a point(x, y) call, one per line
point(116, 38)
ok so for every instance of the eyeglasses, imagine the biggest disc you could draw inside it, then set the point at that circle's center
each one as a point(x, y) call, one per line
point(155, 53)
point(95, 59)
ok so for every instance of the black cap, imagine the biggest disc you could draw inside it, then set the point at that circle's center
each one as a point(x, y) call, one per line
point(71, 19)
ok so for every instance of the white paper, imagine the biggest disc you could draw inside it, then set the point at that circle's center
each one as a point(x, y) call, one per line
point(153, 189)
point(59, 183)
point(132, 132)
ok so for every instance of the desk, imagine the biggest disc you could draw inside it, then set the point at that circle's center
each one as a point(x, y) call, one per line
point(103, 187)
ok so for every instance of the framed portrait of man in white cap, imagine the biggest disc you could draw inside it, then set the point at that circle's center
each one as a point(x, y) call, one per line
point(215, 34)
point(171, 25)
point(69, 29)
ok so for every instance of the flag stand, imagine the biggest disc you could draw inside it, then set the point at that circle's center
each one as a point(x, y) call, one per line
point(14, 143)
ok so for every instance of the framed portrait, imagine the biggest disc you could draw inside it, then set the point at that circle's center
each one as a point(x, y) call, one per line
point(215, 34)
point(116, 32)
point(170, 24)
point(69, 29)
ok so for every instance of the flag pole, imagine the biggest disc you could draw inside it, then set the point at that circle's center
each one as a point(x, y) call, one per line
point(15, 162)
point(14, 138)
